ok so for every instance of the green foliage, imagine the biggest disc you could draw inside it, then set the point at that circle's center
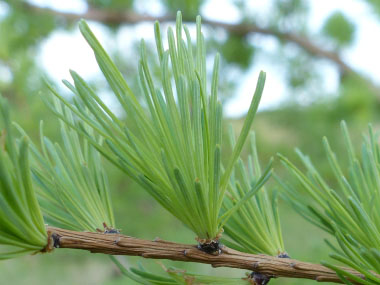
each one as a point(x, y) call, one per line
point(23, 31)
point(301, 71)
point(358, 98)
point(111, 4)
point(289, 15)
point(255, 227)
point(174, 276)
point(22, 229)
point(26, 30)
point(340, 29)
point(375, 5)
point(237, 50)
point(171, 145)
point(180, 165)
point(349, 213)
point(189, 8)
point(72, 185)
point(290, 7)
point(21, 34)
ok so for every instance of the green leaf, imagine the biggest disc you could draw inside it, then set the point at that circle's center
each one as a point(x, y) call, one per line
point(22, 228)
point(70, 178)
point(348, 212)
point(254, 225)
point(171, 139)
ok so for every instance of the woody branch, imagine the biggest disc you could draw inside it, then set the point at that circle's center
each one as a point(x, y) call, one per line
point(117, 244)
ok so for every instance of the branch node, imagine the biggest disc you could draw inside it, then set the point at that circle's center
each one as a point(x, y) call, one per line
point(264, 267)
point(116, 241)
point(109, 230)
point(53, 241)
point(213, 247)
point(56, 240)
point(296, 266)
point(259, 278)
point(283, 255)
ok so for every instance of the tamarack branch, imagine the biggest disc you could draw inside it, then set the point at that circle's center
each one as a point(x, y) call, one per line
point(118, 244)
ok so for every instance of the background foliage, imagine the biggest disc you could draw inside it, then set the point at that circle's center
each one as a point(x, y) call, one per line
point(23, 29)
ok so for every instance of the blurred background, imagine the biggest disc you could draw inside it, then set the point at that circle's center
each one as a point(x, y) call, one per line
point(321, 59)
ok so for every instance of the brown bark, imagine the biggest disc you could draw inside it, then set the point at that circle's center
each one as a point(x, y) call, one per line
point(117, 244)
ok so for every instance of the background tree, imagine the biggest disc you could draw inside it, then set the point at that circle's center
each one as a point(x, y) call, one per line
point(298, 51)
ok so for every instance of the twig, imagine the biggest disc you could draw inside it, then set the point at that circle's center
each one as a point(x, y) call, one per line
point(117, 244)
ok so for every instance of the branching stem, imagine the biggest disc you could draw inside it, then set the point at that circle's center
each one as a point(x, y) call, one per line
point(118, 244)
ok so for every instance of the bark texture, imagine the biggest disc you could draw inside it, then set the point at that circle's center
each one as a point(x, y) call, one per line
point(118, 244)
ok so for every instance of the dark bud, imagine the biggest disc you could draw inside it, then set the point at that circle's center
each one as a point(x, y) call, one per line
point(111, 231)
point(55, 238)
point(283, 255)
point(213, 247)
point(260, 279)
